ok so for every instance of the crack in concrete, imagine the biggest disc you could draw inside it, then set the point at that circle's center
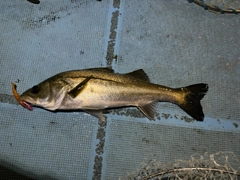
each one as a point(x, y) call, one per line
point(112, 39)
point(98, 159)
point(110, 56)
point(5, 98)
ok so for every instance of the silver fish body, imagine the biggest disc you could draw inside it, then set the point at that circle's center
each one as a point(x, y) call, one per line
point(93, 90)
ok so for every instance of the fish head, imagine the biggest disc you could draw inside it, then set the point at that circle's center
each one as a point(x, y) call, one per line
point(47, 94)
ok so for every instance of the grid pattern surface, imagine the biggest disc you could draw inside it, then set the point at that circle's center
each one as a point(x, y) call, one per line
point(53, 145)
point(144, 142)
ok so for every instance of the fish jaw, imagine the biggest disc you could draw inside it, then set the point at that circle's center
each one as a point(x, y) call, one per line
point(49, 103)
point(27, 105)
point(27, 102)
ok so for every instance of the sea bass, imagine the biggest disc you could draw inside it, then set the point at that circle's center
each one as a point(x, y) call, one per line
point(93, 90)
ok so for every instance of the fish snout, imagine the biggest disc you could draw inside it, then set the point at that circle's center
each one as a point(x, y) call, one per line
point(25, 103)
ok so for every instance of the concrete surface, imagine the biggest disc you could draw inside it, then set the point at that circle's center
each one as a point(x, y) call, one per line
point(176, 43)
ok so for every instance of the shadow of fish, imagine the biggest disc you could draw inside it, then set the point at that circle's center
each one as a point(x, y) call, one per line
point(96, 89)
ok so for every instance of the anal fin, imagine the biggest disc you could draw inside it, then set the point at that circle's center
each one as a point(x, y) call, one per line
point(149, 110)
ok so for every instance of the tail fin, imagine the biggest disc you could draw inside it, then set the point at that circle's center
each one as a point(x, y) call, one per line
point(192, 105)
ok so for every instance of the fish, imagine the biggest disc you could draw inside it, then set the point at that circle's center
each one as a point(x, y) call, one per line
point(97, 89)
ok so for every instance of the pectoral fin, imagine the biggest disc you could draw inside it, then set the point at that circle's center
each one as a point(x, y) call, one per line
point(149, 110)
point(75, 91)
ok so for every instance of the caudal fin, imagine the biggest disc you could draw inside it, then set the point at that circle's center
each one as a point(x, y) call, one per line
point(191, 104)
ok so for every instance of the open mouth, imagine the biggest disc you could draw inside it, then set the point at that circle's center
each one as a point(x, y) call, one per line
point(26, 105)
point(18, 98)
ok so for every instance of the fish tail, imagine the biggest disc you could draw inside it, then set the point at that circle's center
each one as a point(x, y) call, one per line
point(191, 104)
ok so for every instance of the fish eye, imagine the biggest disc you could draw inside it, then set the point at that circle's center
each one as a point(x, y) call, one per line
point(35, 89)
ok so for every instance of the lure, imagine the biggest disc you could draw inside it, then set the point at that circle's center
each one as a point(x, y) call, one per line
point(18, 98)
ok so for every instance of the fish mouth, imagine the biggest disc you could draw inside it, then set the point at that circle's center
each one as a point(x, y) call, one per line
point(26, 105)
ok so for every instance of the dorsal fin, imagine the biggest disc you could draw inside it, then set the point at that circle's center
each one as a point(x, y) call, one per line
point(149, 110)
point(103, 69)
point(139, 74)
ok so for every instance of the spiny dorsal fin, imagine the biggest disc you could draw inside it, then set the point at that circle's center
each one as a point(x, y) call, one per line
point(103, 69)
point(139, 74)
point(149, 110)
